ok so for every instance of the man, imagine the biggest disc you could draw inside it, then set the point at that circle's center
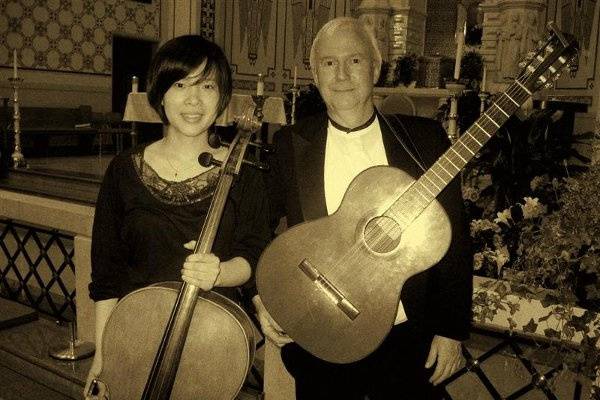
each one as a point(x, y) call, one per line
point(313, 164)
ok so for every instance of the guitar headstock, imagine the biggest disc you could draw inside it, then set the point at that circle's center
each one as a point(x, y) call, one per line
point(544, 65)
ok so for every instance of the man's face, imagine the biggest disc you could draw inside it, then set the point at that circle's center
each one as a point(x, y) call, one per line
point(345, 73)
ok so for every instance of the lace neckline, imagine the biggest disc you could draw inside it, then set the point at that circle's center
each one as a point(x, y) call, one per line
point(187, 191)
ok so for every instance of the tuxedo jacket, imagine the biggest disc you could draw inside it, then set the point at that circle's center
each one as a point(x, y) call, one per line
point(437, 300)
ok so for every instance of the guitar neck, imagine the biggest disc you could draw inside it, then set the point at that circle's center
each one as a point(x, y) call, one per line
point(448, 166)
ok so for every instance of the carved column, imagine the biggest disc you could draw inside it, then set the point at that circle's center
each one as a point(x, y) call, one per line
point(407, 27)
point(375, 14)
point(511, 28)
point(179, 17)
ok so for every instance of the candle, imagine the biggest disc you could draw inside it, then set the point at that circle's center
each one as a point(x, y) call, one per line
point(484, 78)
point(134, 84)
point(260, 86)
point(15, 76)
point(460, 44)
point(295, 72)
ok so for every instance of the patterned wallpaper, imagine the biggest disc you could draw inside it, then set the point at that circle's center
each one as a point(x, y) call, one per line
point(71, 35)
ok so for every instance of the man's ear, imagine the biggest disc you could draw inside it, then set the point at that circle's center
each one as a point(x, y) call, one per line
point(315, 78)
point(376, 71)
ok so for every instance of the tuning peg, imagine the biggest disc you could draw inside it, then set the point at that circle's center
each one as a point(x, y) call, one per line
point(215, 142)
point(206, 159)
point(523, 64)
point(549, 85)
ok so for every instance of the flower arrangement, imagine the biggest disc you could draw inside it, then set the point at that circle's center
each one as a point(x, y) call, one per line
point(550, 240)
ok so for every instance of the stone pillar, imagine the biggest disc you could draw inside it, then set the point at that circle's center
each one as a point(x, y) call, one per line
point(407, 27)
point(376, 15)
point(86, 316)
point(179, 17)
point(511, 28)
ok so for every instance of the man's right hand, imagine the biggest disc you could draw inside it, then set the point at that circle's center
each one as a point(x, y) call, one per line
point(268, 325)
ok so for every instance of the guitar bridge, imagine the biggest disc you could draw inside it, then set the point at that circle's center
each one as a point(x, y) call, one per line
point(333, 293)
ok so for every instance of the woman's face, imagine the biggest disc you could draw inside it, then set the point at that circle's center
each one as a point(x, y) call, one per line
point(191, 103)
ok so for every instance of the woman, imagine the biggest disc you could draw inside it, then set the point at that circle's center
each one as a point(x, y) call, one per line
point(154, 198)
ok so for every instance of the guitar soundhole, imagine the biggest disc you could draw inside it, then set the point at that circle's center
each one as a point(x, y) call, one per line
point(382, 234)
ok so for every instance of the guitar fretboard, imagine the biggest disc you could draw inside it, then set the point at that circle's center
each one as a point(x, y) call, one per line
point(448, 166)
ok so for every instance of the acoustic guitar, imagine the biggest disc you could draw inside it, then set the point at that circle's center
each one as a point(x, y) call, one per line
point(333, 284)
point(171, 340)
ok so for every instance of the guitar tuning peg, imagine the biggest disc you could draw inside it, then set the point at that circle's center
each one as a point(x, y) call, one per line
point(549, 85)
point(523, 64)
point(530, 55)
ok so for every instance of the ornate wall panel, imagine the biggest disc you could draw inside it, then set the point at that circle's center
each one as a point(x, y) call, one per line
point(271, 37)
point(580, 18)
point(71, 35)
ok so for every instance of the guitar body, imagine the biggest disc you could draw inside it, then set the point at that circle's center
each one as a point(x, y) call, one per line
point(218, 350)
point(368, 276)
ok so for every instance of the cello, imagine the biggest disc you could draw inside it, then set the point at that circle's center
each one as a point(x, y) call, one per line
point(171, 340)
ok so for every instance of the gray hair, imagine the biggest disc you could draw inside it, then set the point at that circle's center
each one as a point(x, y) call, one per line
point(334, 25)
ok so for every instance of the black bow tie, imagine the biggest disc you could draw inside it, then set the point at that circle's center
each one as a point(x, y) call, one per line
point(358, 128)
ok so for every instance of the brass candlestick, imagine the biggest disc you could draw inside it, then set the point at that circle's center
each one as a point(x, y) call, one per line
point(76, 349)
point(455, 92)
point(295, 91)
point(17, 155)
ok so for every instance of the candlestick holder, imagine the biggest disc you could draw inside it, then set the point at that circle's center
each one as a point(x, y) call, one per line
point(483, 97)
point(455, 90)
point(17, 155)
point(294, 91)
point(76, 349)
point(259, 100)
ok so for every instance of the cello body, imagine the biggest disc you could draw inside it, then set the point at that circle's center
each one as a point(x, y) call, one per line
point(218, 350)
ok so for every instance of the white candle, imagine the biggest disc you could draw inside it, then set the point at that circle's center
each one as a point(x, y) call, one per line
point(260, 86)
point(484, 78)
point(15, 75)
point(460, 44)
point(295, 72)
point(134, 84)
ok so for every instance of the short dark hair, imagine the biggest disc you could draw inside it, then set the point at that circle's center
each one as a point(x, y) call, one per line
point(179, 56)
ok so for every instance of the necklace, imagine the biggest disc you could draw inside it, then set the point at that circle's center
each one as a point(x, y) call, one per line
point(178, 171)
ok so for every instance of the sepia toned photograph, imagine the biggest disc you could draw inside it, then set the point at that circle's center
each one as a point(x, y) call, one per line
point(299, 199)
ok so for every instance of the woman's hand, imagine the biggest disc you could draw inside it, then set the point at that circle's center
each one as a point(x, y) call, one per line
point(201, 270)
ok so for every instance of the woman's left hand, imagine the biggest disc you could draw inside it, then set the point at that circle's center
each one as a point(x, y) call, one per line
point(201, 270)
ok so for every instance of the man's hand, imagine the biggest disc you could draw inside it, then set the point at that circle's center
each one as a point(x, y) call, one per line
point(447, 356)
point(268, 325)
point(201, 270)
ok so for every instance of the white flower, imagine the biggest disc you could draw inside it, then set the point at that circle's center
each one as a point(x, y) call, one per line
point(537, 181)
point(502, 256)
point(533, 208)
point(479, 225)
point(504, 217)
point(470, 193)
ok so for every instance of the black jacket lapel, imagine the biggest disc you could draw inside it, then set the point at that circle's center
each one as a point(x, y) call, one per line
point(309, 148)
